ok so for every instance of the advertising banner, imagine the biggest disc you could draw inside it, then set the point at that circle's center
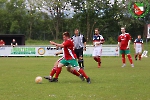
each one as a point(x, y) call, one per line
point(50, 51)
point(107, 50)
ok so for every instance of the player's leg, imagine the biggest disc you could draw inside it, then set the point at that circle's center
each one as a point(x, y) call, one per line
point(140, 53)
point(62, 63)
point(127, 52)
point(74, 72)
point(81, 58)
point(122, 52)
point(75, 65)
point(99, 56)
point(94, 54)
point(77, 54)
point(136, 53)
point(53, 71)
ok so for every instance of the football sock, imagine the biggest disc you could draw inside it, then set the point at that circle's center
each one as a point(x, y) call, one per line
point(130, 58)
point(58, 71)
point(79, 62)
point(99, 59)
point(139, 56)
point(123, 59)
point(81, 71)
point(73, 71)
point(95, 58)
point(82, 62)
point(135, 55)
point(53, 72)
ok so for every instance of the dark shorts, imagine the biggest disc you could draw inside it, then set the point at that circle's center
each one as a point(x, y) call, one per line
point(79, 52)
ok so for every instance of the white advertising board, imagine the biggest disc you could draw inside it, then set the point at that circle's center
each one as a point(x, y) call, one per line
point(50, 51)
point(107, 50)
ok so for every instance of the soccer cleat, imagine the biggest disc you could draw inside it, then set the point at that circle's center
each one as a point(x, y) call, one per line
point(123, 65)
point(82, 78)
point(132, 65)
point(48, 78)
point(99, 64)
point(135, 58)
point(88, 80)
point(54, 80)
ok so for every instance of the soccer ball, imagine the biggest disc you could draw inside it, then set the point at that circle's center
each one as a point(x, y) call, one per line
point(38, 79)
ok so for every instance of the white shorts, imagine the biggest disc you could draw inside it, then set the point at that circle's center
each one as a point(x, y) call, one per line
point(97, 51)
point(138, 50)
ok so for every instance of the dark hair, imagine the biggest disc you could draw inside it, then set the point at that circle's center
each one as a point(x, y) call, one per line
point(97, 29)
point(76, 29)
point(66, 34)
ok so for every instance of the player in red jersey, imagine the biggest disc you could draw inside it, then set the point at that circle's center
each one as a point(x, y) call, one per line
point(2, 43)
point(124, 44)
point(69, 57)
point(69, 69)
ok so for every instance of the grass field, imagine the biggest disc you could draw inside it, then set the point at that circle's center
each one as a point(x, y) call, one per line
point(110, 82)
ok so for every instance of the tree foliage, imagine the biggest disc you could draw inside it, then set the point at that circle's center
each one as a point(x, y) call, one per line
point(47, 19)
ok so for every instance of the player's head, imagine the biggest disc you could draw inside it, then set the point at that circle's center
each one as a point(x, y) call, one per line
point(123, 29)
point(76, 31)
point(14, 40)
point(97, 31)
point(139, 36)
point(66, 36)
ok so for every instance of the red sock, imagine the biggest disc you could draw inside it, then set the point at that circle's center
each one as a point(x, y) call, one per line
point(83, 73)
point(58, 71)
point(139, 56)
point(123, 59)
point(99, 59)
point(53, 72)
point(95, 58)
point(135, 55)
point(130, 58)
point(75, 72)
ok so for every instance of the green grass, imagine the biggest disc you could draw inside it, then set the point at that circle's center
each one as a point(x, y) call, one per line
point(110, 82)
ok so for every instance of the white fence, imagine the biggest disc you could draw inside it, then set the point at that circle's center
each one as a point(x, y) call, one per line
point(107, 50)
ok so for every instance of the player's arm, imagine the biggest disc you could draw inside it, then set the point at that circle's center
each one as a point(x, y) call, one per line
point(128, 46)
point(84, 43)
point(134, 44)
point(101, 40)
point(3, 43)
point(129, 41)
point(118, 45)
point(129, 38)
point(56, 44)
